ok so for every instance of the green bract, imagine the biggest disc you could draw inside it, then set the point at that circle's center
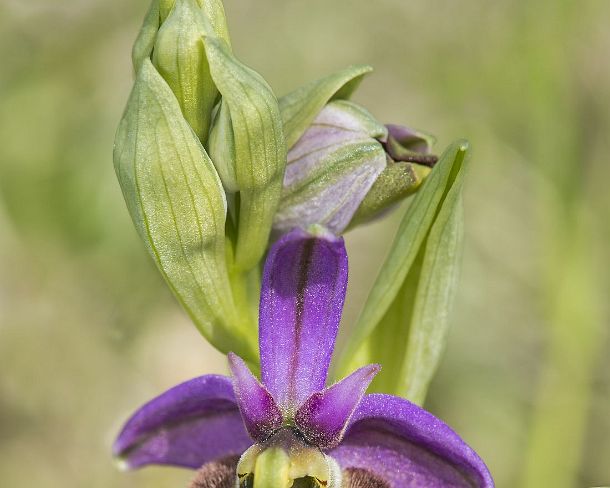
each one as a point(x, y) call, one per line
point(405, 318)
point(301, 106)
point(173, 190)
point(179, 56)
point(178, 206)
point(260, 150)
point(143, 47)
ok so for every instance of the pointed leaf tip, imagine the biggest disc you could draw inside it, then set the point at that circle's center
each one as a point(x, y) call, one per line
point(302, 105)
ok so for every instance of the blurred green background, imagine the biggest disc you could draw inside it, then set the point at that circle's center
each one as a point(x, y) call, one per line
point(88, 330)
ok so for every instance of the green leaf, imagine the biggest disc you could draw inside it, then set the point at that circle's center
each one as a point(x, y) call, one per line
point(178, 206)
point(301, 106)
point(404, 321)
point(143, 47)
point(260, 150)
point(413, 331)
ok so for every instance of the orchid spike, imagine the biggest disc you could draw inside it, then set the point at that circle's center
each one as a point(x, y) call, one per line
point(289, 430)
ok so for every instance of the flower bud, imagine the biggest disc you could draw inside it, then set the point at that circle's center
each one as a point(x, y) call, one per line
point(347, 168)
point(213, 9)
point(165, 7)
point(409, 163)
point(331, 168)
point(179, 56)
point(406, 144)
point(178, 206)
point(221, 147)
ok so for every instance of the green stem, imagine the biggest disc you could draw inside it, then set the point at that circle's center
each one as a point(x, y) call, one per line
point(245, 286)
point(556, 440)
point(572, 308)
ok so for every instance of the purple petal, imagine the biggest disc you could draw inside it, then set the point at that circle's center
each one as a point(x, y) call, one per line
point(189, 425)
point(261, 414)
point(302, 298)
point(406, 446)
point(324, 415)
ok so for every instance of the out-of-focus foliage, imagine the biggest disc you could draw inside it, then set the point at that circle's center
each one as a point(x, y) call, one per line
point(88, 330)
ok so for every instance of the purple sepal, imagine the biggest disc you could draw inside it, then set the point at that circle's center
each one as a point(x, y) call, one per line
point(324, 416)
point(302, 296)
point(189, 425)
point(408, 447)
point(261, 414)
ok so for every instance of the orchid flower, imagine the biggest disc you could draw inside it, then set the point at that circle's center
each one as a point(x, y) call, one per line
point(289, 429)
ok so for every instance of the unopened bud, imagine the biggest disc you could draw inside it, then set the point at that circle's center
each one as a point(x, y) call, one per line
point(397, 181)
point(406, 144)
point(348, 168)
point(213, 9)
point(409, 163)
point(179, 56)
point(221, 147)
point(331, 168)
